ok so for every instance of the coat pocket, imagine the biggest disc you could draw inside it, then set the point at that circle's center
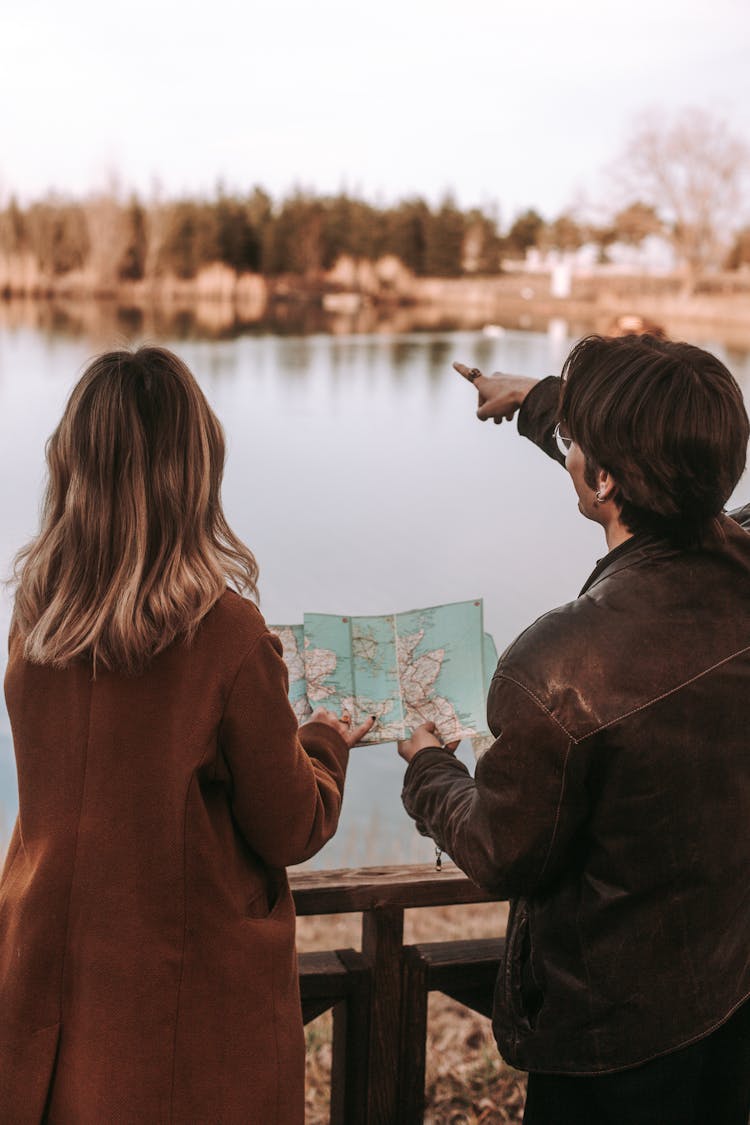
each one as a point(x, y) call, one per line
point(268, 898)
point(522, 992)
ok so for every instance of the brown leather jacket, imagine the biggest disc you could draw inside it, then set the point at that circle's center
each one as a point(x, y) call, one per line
point(614, 806)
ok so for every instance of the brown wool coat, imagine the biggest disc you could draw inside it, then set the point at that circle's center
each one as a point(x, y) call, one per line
point(147, 962)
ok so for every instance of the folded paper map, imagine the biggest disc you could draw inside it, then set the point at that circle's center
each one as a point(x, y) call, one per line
point(404, 668)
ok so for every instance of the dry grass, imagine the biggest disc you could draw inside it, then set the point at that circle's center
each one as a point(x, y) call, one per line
point(467, 1082)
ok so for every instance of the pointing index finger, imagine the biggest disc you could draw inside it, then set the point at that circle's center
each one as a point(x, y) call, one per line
point(469, 373)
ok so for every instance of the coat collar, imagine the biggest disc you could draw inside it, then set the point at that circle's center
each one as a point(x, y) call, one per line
point(625, 555)
point(641, 545)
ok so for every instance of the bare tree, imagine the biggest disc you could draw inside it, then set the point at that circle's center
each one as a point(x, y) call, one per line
point(157, 223)
point(108, 235)
point(690, 169)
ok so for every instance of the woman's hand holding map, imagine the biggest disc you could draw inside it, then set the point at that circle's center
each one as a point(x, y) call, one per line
point(351, 735)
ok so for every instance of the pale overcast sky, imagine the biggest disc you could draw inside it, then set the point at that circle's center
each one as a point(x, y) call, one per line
point(516, 104)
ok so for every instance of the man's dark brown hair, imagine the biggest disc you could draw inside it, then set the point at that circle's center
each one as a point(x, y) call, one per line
point(667, 420)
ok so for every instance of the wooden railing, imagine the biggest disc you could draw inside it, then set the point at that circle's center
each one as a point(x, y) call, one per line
point(379, 995)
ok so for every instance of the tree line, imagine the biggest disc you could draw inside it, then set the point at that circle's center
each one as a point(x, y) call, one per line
point(302, 234)
point(683, 178)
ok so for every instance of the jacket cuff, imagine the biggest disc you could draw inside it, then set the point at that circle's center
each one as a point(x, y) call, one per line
point(538, 416)
point(422, 761)
point(316, 737)
point(417, 788)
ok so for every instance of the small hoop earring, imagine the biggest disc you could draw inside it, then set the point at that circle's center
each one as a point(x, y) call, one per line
point(600, 497)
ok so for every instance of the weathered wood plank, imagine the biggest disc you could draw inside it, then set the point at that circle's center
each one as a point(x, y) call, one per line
point(465, 970)
point(441, 956)
point(322, 974)
point(367, 888)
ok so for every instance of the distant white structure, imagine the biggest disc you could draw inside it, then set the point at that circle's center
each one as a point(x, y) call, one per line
point(562, 277)
point(654, 255)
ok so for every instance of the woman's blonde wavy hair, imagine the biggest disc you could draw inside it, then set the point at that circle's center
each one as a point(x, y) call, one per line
point(134, 548)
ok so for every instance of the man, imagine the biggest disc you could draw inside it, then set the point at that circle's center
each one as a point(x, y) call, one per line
point(613, 807)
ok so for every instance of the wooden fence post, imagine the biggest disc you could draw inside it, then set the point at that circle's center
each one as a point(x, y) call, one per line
point(382, 940)
point(351, 1037)
point(377, 1063)
point(411, 1079)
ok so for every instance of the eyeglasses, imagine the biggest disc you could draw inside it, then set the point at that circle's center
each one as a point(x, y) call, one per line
point(562, 440)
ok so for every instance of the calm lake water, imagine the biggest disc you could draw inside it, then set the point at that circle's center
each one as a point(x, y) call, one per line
point(359, 476)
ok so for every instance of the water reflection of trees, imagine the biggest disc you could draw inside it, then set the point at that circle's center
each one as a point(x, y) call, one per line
point(104, 323)
point(100, 320)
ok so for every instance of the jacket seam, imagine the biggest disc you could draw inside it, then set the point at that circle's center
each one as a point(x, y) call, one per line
point(633, 710)
point(230, 689)
point(553, 837)
point(184, 936)
point(245, 656)
point(664, 694)
point(537, 700)
point(64, 966)
point(274, 978)
point(571, 742)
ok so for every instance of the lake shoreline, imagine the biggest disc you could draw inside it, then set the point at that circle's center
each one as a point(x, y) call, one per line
point(218, 303)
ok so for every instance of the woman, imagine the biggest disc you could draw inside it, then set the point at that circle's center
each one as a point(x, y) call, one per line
point(147, 961)
point(613, 807)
